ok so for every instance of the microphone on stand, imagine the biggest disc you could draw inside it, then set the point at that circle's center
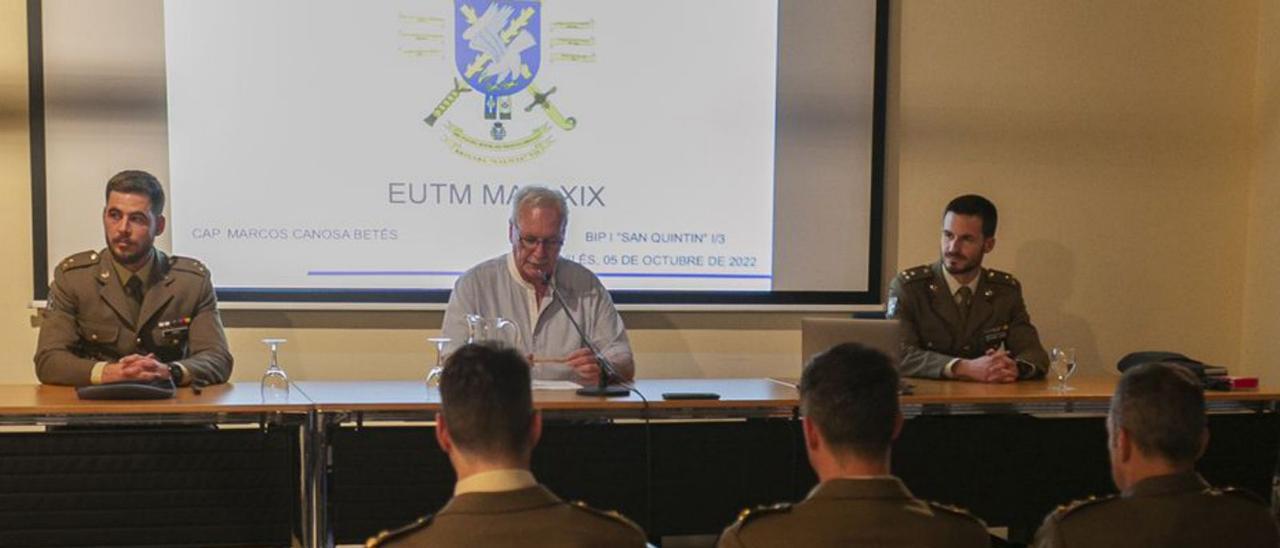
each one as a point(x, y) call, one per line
point(606, 369)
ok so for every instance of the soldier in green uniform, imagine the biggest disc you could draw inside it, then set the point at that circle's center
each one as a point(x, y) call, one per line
point(129, 312)
point(1156, 431)
point(849, 402)
point(488, 428)
point(960, 320)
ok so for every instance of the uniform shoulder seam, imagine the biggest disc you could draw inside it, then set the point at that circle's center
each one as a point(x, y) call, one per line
point(916, 274)
point(1075, 505)
point(1236, 492)
point(956, 511)
point(1001, 277)
point(611, 515)
point(388, 535)
point(187, 264)
point(79, 260)
point(747, 515)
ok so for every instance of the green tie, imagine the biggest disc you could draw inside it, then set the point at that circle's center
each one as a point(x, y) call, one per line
point(962, 302)
point(133, 289)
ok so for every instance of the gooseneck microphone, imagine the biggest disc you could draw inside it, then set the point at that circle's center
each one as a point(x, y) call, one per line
point(606, 369)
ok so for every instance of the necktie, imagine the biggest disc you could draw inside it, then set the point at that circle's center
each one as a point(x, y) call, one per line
point(133, 290)
point(962, 302)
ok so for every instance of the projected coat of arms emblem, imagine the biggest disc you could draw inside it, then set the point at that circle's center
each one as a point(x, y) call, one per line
point(495, 112)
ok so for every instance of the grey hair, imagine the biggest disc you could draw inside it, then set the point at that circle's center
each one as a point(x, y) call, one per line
point(529, 197)
point(1162, 407)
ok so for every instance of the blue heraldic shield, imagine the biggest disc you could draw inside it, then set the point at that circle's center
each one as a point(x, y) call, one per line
point(497, 48)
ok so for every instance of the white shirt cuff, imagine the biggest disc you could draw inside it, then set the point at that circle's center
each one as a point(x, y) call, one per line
point(95, 375)
point(947, 370)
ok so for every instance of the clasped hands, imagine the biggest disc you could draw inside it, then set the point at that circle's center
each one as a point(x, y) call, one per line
point(997, 366)
point(135, 367)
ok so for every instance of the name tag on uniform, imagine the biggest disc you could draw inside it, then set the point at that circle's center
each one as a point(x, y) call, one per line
point(995, 336)
point(174, 332)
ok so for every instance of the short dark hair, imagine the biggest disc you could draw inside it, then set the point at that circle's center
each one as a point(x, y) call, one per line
point(133, 181)
point(973, 204)
point(851, 392)
point(1161, 406)
point(487, 401)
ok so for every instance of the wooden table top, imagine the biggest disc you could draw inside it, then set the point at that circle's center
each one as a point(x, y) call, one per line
point(332, 396)
point(1084, 389)
point(415, 396)
point(1095, 389)
point(35, 399)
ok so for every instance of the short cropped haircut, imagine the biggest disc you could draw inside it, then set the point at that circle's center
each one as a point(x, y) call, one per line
point(529, 197)
point(486, 399)
point(851, 393)
point(134, 181)
point(1161, 406)
point(973, 204)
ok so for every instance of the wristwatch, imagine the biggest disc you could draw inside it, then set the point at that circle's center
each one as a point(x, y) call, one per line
point(1026, 369)
point(175, 373)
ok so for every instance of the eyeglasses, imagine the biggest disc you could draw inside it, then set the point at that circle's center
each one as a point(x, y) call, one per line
point(531, 242)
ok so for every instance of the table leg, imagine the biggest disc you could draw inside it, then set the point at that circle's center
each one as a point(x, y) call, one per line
point(314, 455)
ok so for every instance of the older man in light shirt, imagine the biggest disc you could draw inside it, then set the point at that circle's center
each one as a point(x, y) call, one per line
point(518, 287)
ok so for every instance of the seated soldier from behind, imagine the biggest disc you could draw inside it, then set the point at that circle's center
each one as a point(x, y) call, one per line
point(1157, 430)
point(488, 428)
point(849, 399)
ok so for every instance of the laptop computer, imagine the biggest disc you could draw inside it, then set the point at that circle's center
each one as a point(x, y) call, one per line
point(819, 334)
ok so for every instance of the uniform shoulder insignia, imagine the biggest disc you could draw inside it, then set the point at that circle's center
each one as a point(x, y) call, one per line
point(1003, 278)
point(609, 514)
point(79, 260)
point(1073, 506)
point(749, 514)
point(955, 510)
point(187, 264)
point(922, 272)
point(1236, 492)
point(389, 535)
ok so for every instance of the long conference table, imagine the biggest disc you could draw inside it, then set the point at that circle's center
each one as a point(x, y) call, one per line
point(340, 461)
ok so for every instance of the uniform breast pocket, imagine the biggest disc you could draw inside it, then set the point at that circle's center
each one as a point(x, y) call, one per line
point(98, 334)
point(935, 334)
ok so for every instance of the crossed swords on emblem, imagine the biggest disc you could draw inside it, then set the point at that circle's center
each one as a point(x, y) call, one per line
point(539, 100)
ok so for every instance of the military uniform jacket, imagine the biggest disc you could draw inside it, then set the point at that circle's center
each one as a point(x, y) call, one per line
point(533, 516)
point(1174, 511)
point(874, 512)
point(88, 320)
point(931, 331)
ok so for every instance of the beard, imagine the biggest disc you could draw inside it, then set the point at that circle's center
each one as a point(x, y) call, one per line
point(963, 265)
point(131, 258)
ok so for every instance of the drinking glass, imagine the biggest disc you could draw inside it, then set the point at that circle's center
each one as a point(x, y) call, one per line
point(1062, 364)
point(433, 376)
point(275, 384)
